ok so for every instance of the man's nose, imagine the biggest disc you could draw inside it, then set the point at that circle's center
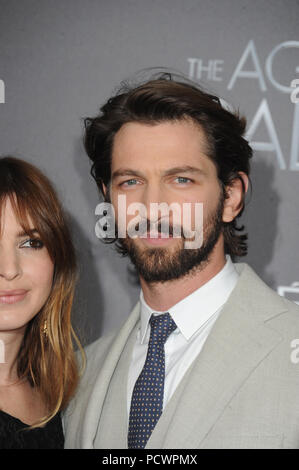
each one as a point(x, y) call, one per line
point(10, 266)
point(155, 201)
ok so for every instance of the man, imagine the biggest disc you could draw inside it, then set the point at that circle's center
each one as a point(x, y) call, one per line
point(204, 359)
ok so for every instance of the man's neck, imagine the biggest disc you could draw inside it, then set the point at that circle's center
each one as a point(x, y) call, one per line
point(161, 296)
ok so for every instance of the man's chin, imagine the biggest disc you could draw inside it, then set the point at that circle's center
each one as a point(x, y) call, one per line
point(150, 247)
point(156, 263)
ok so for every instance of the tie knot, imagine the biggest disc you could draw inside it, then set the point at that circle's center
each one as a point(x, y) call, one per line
point(161, 327)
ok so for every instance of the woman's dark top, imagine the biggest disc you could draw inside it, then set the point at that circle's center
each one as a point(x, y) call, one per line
point(14, 434)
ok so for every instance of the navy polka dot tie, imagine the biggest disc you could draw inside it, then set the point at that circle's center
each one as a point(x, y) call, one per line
point(147, 397)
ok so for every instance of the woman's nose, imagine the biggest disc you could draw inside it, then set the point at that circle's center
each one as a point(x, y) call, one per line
point(9, 263)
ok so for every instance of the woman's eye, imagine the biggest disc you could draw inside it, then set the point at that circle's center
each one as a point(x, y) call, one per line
point(35, 243)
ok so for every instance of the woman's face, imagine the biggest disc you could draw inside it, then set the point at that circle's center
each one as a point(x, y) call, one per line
point(26, 273)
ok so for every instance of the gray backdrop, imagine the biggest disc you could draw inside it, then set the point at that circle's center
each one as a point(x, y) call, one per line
point(60, 60)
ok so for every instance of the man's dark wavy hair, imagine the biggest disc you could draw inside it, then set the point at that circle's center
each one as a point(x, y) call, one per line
point(165, 99)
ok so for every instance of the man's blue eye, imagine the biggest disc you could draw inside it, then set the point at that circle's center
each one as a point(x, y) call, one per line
point(129, 182)
point(182, 179)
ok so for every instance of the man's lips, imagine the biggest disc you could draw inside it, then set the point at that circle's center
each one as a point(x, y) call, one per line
point(156, 238)
point(155, 235)
point(12, 296)
point(158, 235)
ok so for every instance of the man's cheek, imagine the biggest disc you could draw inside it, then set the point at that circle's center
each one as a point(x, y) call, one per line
point(193, 218)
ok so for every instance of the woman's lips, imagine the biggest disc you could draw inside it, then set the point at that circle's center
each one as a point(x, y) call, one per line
point(12, 296)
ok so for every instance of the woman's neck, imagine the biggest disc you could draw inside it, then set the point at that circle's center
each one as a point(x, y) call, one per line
point(10, 346)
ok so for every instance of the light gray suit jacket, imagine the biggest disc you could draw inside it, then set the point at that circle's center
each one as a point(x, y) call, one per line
point(242, 390)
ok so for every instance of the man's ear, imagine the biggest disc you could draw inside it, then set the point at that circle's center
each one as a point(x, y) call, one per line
point(235, 194)
point(105, 190)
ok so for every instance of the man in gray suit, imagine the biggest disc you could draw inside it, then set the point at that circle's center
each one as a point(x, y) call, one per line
point(204, 360)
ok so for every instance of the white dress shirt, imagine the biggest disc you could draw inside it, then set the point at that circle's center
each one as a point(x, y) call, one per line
point(194, 317)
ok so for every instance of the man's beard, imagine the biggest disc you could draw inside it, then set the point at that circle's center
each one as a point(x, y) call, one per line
point(165, 264)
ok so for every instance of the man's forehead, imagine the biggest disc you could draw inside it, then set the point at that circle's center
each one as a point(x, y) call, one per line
point(169, 128)
point(165, 145)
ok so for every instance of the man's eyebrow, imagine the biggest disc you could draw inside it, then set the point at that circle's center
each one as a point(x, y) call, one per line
point(171, 171)
point(125, 172)
point(184, 169)
point(30, 232)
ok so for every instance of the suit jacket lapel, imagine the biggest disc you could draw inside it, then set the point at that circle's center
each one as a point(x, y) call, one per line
point(238, 342)
point(112, 432)
point(93, 412)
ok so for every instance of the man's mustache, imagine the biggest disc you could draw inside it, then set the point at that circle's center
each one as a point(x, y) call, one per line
point(146, 226)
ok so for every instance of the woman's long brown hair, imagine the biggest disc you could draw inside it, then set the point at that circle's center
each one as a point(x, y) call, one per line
point(46, 358)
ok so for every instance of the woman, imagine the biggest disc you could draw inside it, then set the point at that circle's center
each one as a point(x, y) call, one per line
point(38, 369)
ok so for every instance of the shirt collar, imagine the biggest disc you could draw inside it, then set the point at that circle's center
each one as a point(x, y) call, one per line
point(192, 312)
